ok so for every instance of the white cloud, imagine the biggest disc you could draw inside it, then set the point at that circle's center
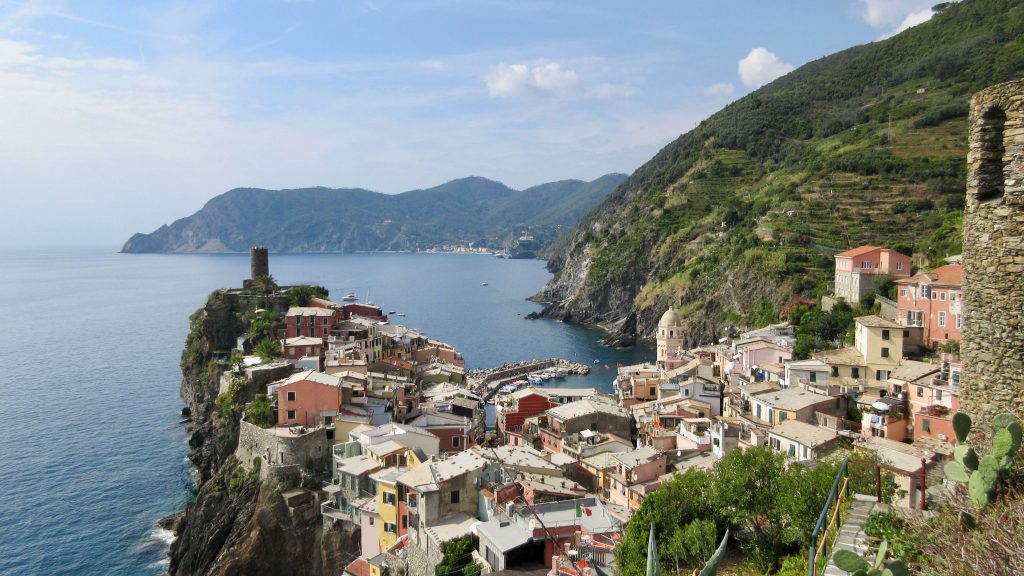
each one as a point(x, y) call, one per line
point(895, 16)
point(890, 13)
point(720, 89)
point(915, 18)
point(522, 80)
point(761, 67)
point(22, 54)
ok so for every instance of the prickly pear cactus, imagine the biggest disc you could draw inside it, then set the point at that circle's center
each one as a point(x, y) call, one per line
point(858, 566)
point(981, 476)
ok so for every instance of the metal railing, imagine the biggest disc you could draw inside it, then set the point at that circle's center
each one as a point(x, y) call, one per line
point(822, 541)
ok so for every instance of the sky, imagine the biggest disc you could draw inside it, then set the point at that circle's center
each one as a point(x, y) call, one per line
point(119, 117)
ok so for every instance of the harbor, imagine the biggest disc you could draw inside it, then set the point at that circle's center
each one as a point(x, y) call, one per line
point(486, 383)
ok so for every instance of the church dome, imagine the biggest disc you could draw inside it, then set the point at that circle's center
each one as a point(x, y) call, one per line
point(669, 318)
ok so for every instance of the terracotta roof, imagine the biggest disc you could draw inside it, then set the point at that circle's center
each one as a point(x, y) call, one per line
point(860, 251)
point(948, 275)
point(358, 567)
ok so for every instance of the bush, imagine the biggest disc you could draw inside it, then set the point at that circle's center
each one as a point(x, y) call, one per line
point(259, 412)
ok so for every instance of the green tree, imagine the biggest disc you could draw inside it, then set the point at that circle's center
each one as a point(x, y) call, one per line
point(747, 487)
point(264, 284)
point(259, 412)
point(268, 349)
point(301, 295)
point(672, 507)
point(457, 558)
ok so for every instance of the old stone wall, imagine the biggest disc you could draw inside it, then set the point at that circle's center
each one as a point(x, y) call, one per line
point(993, 259)
point(279, 453)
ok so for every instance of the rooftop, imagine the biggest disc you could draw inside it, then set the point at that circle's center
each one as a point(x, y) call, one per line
point(309, 311)
point(844, 356)
point(504, 536)
point(858, 251)
point(636, 457)
point(904, 458)
point(792, 399)
point(803, 433)
point(951, 275)
point(911, 370)
point(312, 376)
point(358, 465)
point(451, 526)
point(516, 456)
point(303, 341)
point(582, 408)
point(874, 321)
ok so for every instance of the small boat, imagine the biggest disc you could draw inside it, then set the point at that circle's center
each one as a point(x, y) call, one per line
point(350, 297)
point(597, 361)
point(400, 314)
point(391, 311)
point(484, 284)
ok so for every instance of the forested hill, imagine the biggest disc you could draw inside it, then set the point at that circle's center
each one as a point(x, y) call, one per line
point(460, 212)
point(732, 219)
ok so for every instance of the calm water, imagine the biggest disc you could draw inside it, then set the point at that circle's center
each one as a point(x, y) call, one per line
point(92, 452)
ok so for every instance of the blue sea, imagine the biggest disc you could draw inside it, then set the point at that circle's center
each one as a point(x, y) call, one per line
point(93, 453)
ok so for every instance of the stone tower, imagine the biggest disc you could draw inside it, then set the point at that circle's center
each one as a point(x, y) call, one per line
point(670, 340)
point(992, 349)
point(259, 262)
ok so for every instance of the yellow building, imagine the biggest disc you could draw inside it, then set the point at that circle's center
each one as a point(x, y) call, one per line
point(387, 505)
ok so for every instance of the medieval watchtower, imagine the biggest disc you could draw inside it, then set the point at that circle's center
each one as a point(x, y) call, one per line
point(993, 258)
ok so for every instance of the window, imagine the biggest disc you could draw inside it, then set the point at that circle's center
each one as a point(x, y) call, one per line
point(792, 450)
point(906, 333)
point(390, 528)
point(855, 372)
point(405, 522)
point(456, 441)
point(935, 295)
point(291, 415)
point(653, 391)
point(389, 498)
point(885, 352)
point(865, 264)
point(903, 292)
point(455, 496)
point(899, 265)
point(291, 396)
point(782, 417)
point(926, 291)
point(942, 295)
point(920, 392)
point(814, 377)
point(885, 334)
point(835, 371)
point(942, 318)
point(957, 316)
point(926, 425)
point(938, 395)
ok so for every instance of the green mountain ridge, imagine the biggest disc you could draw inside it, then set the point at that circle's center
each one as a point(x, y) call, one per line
point(468, 210)
point(734, 218)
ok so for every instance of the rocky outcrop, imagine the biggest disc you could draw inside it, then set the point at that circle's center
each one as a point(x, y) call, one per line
point(236, 524)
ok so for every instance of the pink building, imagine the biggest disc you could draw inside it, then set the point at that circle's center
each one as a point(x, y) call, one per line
point(933, 300)
point(308, 399)
point(295, 348)
point(637, 467)
point(935, 399)
point(857, 269)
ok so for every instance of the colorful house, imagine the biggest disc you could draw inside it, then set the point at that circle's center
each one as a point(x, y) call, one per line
point(857, 270)
point(308, 398)
point(310, 321)
point(933, 301)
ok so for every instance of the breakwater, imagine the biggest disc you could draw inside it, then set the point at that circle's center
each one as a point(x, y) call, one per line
point(487, 382)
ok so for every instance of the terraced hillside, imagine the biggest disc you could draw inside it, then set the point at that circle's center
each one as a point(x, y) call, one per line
point(866, 146)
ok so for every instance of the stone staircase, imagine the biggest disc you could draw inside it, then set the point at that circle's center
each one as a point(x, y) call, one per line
point(851, 533)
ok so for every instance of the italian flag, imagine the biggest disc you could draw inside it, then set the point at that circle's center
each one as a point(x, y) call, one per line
point(580, 511)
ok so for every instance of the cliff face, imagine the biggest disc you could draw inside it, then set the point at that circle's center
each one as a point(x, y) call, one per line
point(236, 524)
point(737, 216)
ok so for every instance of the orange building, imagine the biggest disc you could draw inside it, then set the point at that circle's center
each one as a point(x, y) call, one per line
point(308, 398)
point(933, 301)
